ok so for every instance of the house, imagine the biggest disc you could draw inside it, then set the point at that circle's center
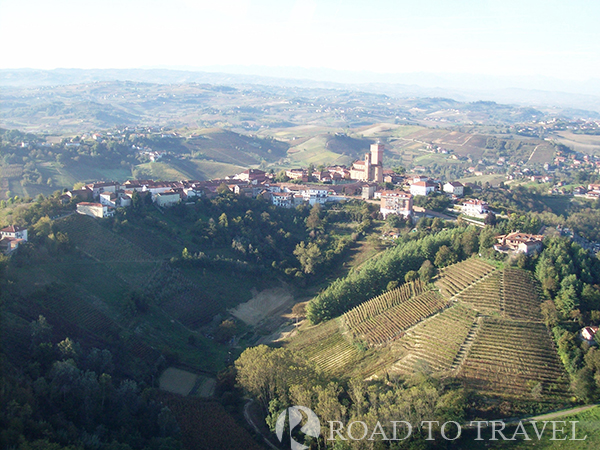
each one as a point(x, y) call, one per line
point(518, 242)
point(589, 333)
point(95, 209)
point(283, 199)
point(368, 191)
point(166, 199)
point(422, 188)
point(297, 174)
point(455, 188)
point(9, 244)
point(84, 194)
point(252, 176)
point(14, 232)
point(475, 207)
point(396, 202)
point(109, 199)
point(98, 188)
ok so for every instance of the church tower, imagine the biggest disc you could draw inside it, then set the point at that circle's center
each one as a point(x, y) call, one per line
point(376, 172)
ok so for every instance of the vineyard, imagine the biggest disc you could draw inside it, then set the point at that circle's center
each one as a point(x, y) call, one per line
point(514, 359)
point(521, 296)
point(389, 324)
point(457, 277)
point(325, 345)
point(382, 303)
point(434, 343)
point(486, 295)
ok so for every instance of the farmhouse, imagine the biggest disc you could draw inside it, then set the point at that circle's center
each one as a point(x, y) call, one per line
point(11, 237)
point(9, 245)
point(455, 188)
point(14, 232)
point(95, 209)
point(396, 202)
point(519, 243)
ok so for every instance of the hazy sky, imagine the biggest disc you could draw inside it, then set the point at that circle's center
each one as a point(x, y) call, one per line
point(556, 38)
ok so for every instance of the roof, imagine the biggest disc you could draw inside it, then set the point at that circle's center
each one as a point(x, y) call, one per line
point(98, 205)
point(424, 184)
point(455, 183)
point(13, 229)
point(396, 194)
point(474, 202)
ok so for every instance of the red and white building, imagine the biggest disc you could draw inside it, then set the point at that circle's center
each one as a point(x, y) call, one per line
point(475, 207)
point(396, 202)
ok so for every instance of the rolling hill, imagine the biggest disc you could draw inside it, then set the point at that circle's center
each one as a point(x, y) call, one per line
point(478, 325)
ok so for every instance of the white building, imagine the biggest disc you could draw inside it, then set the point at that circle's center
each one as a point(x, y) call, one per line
point(14, 232)
point(283, 199)
point(475, 208)
point(455, 188)
point(422, 188)
point(396, 202)
point(166, 199)
point(95, 209)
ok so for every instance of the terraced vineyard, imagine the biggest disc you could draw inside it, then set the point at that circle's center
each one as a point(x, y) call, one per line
point(514, 359)
point(457, 277)
point(382, 303)
point(521, 296)
point(381, 327)
point(485, 295)
point(491, 337)
point(327, 347)
point(435, 342)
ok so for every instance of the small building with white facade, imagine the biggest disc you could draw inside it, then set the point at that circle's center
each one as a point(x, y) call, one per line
point(95, 209)
point(454, 188)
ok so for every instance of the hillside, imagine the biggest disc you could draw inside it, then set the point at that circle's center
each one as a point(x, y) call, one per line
point(478, 324)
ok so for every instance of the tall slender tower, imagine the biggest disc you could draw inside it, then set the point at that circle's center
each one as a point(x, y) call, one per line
point(377, 154)
point(376, 163)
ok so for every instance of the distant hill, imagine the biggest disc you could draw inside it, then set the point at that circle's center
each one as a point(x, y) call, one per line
point(546, 93)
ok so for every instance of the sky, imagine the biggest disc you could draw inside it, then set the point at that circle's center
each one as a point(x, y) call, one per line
point(553, 38)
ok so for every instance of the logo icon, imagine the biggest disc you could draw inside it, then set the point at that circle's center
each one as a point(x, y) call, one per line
point(312, 427)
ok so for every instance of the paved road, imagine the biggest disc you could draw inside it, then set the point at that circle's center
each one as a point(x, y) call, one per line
point(248, 417)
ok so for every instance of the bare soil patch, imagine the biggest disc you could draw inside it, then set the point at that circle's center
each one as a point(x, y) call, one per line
point(264, 304)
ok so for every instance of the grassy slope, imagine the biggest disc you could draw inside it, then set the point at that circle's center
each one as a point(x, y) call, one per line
point(114, 266)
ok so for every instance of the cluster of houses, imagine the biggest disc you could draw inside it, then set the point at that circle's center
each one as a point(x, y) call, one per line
point(592, 191)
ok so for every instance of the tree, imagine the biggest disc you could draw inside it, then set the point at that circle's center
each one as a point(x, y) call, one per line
point(309, 256)
point(444, 257)
point(411, 275)
point(491, 219)
point(426, 271)
point(314, 221)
